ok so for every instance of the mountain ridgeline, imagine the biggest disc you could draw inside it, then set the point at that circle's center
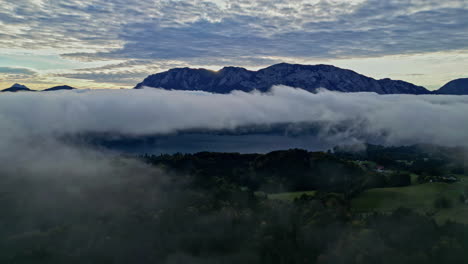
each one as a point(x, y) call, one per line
point(59, 88)
point(307, 77)
point(23, 88)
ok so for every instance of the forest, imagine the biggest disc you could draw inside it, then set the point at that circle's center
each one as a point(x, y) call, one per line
point(290, 206)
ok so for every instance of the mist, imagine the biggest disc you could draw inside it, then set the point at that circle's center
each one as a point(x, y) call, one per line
point(342, 118)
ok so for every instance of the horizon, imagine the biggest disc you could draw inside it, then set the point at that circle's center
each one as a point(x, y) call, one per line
point(119, 44)
point(201, 68)
point(192, 68)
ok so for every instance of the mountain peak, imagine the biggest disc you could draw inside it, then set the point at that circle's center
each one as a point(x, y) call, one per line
point(17, 85)
point(232, 68)
point(284, 65)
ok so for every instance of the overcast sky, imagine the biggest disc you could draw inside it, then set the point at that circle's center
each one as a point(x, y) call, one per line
point(116, 43)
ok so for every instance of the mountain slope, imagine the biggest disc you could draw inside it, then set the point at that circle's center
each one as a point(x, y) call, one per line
point(401, 87)
point(307, 77)
point(456, 87)
point(17, 88)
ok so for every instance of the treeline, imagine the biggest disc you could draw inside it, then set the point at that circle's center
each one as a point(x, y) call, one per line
point(278, 171)
point(420, 159)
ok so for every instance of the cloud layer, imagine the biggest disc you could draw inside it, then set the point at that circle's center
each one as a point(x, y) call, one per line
point(159, 29)
point(343, 117)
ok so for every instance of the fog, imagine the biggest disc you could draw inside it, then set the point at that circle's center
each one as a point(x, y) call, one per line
point(342, 117)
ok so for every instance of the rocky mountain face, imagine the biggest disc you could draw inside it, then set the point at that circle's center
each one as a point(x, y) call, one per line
point(307, 77)
point(456, 87)
point(17, 88)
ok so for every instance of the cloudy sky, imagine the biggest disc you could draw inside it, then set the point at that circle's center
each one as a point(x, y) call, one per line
point(116, 43)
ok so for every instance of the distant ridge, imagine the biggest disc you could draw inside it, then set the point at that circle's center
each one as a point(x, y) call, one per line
point(455, 87)
point(307, 77)
point(58, 88)
point(23, 88)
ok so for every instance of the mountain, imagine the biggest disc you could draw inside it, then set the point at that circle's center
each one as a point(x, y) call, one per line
point(17, 88)
point(307, 77)
point(457, 87)
point(58, 88)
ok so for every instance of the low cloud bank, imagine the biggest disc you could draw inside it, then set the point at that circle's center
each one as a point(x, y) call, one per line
point(343, 117)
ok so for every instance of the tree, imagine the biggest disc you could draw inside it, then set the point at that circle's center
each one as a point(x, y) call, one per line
point(399, 179)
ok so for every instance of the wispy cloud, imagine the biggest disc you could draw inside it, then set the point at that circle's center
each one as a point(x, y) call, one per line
point(11, 75)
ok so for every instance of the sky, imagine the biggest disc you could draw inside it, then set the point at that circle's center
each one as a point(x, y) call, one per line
point(116, 43)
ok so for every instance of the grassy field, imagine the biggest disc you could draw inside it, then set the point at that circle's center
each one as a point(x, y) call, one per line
point(414, 178)
point(418, 197)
